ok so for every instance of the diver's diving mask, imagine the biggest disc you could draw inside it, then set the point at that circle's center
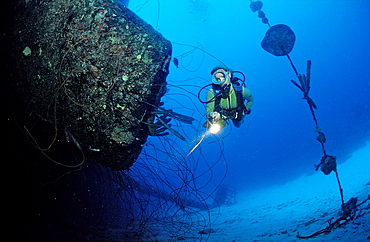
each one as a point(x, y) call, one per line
point(220, 77)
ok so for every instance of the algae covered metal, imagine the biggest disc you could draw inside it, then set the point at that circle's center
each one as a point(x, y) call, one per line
point(93, 71)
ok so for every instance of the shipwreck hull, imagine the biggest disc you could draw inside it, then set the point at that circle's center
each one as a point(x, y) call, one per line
point(93, 71)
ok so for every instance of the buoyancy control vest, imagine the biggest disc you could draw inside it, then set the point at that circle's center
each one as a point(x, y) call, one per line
point(236, 113)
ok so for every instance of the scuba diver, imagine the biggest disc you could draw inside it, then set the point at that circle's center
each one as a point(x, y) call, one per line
point(227, 99)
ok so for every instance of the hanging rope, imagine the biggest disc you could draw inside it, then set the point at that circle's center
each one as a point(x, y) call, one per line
point(279, 41)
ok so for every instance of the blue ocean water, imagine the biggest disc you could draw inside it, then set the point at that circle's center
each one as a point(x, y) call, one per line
point(277, 141)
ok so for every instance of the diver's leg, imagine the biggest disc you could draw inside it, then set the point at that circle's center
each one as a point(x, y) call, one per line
point(237, 122)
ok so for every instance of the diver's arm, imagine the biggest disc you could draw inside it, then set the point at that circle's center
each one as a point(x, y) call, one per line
point(247, 95)
point(211, 105)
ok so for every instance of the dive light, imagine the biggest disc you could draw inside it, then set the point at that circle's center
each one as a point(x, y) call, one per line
point(216, 126)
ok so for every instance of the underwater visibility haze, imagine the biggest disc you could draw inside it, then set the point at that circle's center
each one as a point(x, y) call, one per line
point(106, 119)
point(277, 141)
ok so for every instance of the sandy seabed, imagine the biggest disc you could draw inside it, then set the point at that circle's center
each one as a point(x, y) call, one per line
point(303, 206)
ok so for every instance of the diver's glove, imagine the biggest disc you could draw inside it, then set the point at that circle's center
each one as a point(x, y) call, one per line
point(215, 116)
point(246, 112)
